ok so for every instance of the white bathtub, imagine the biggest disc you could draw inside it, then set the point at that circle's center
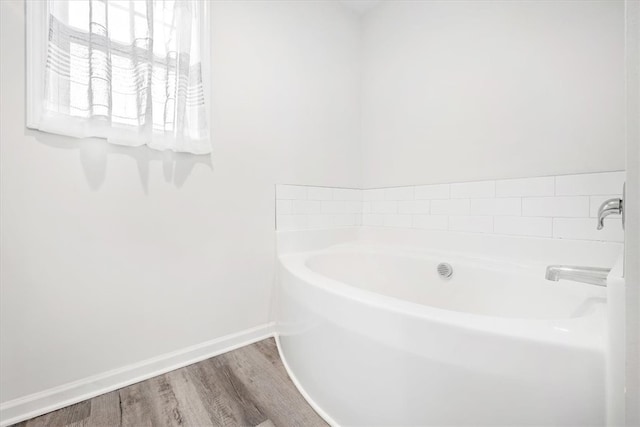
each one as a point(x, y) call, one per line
point(372, 335)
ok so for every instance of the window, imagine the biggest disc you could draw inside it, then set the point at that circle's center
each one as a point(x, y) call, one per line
point(130, 71)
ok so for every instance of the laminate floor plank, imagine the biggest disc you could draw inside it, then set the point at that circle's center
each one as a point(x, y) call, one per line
point(164, 407)
point(270, 387)
point(224, 399)
point(193, 410)
point(134, 407)
point(245, 387)
point(105, 410)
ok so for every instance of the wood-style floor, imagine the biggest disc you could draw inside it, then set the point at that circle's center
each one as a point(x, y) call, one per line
point(245, 387)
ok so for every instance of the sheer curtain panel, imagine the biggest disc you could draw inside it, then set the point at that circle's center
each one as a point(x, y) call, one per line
point(131, 71)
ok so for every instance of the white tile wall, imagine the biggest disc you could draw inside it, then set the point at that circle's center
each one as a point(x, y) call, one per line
point(301, 207)
point(523, 226)
point(504, 206)
point(451, 207)
point(431, 222)
point(478, 189)
point(543, 186)
point(291, 192)
point(347, 194)
point(434, 191)
point(572, 207)
point(375, 194)
point(475, 224)
point(399, 193)
point(589, 184)
point(584, 229)
point(398, 220)
point(414, 207)
point(561, 207)
point(372, 220)
point(320, 193)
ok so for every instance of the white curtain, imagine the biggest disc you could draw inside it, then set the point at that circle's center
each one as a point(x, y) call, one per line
point(129, 71)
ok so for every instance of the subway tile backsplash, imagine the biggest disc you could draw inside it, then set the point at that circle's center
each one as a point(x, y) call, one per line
point(526, 187)
point(560, 207)
point(301, 207)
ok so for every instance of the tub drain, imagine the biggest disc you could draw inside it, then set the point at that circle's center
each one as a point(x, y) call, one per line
point(445, 270)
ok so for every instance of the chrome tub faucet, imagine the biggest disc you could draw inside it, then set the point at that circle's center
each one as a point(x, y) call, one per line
point(591, 275)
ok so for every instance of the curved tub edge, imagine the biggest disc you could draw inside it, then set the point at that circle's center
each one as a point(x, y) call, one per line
point(321, 412)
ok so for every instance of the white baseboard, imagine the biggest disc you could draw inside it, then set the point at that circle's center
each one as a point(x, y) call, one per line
point(33, 405)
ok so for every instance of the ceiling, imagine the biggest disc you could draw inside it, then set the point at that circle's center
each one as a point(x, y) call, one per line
point(360, 6)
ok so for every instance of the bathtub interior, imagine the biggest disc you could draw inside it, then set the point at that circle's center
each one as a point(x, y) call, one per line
point(507, 282)
point(524, 251)
point(476, 286)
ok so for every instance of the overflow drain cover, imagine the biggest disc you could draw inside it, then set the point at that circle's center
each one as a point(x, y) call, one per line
point(445, 270)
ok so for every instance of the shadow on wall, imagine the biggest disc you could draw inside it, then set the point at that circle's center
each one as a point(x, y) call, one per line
point(94, 153)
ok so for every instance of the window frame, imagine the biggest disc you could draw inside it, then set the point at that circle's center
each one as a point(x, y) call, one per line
point(36, 43)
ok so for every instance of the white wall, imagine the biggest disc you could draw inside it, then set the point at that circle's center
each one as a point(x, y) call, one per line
point(472, 90)
point(632, 206)
point(113, 255)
